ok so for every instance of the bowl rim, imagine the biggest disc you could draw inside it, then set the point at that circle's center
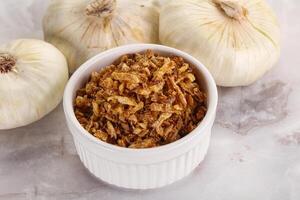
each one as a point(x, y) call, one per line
point(77, 75)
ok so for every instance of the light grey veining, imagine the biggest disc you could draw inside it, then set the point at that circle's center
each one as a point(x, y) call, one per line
point(254, 152)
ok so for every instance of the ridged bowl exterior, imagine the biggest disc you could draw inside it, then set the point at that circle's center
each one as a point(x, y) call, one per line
point(140, 168)
point(141, 176)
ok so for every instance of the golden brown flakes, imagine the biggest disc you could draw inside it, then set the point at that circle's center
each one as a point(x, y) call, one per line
point(133, 119)
point(179, 92)
point(143, 125)
point(121, 88)
point(107, 83)
point(167, 68)
point(90, 88)
point(184, 68)
point(157, 124)
point(111, 130)
point(146, 143)
point(141, 101)
point(81, 101)
point(137, 107)
point(151, 88)
point(101, 135)
point(137, 131)
point(96, 110)
point(200, 113)
point(123, 100)
point(124, 76)
point(122, 142)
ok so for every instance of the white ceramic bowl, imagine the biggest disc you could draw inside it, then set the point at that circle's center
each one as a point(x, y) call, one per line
point(140, 168)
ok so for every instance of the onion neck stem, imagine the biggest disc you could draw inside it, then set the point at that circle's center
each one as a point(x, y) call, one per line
point(101, 8)
point(232, 9)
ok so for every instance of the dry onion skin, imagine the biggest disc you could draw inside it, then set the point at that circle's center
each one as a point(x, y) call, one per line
point(81, 29)
point(237, 40)
point(33, 75)
point(141, 101)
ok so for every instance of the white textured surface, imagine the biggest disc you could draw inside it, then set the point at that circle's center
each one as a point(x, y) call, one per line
point(138, 176)
point(142, 169)
point(254, 152)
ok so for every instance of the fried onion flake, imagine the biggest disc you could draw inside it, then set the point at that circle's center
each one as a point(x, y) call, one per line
point(143, 100)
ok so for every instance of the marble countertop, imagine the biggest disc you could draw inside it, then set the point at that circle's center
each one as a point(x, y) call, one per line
point(254, 152)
